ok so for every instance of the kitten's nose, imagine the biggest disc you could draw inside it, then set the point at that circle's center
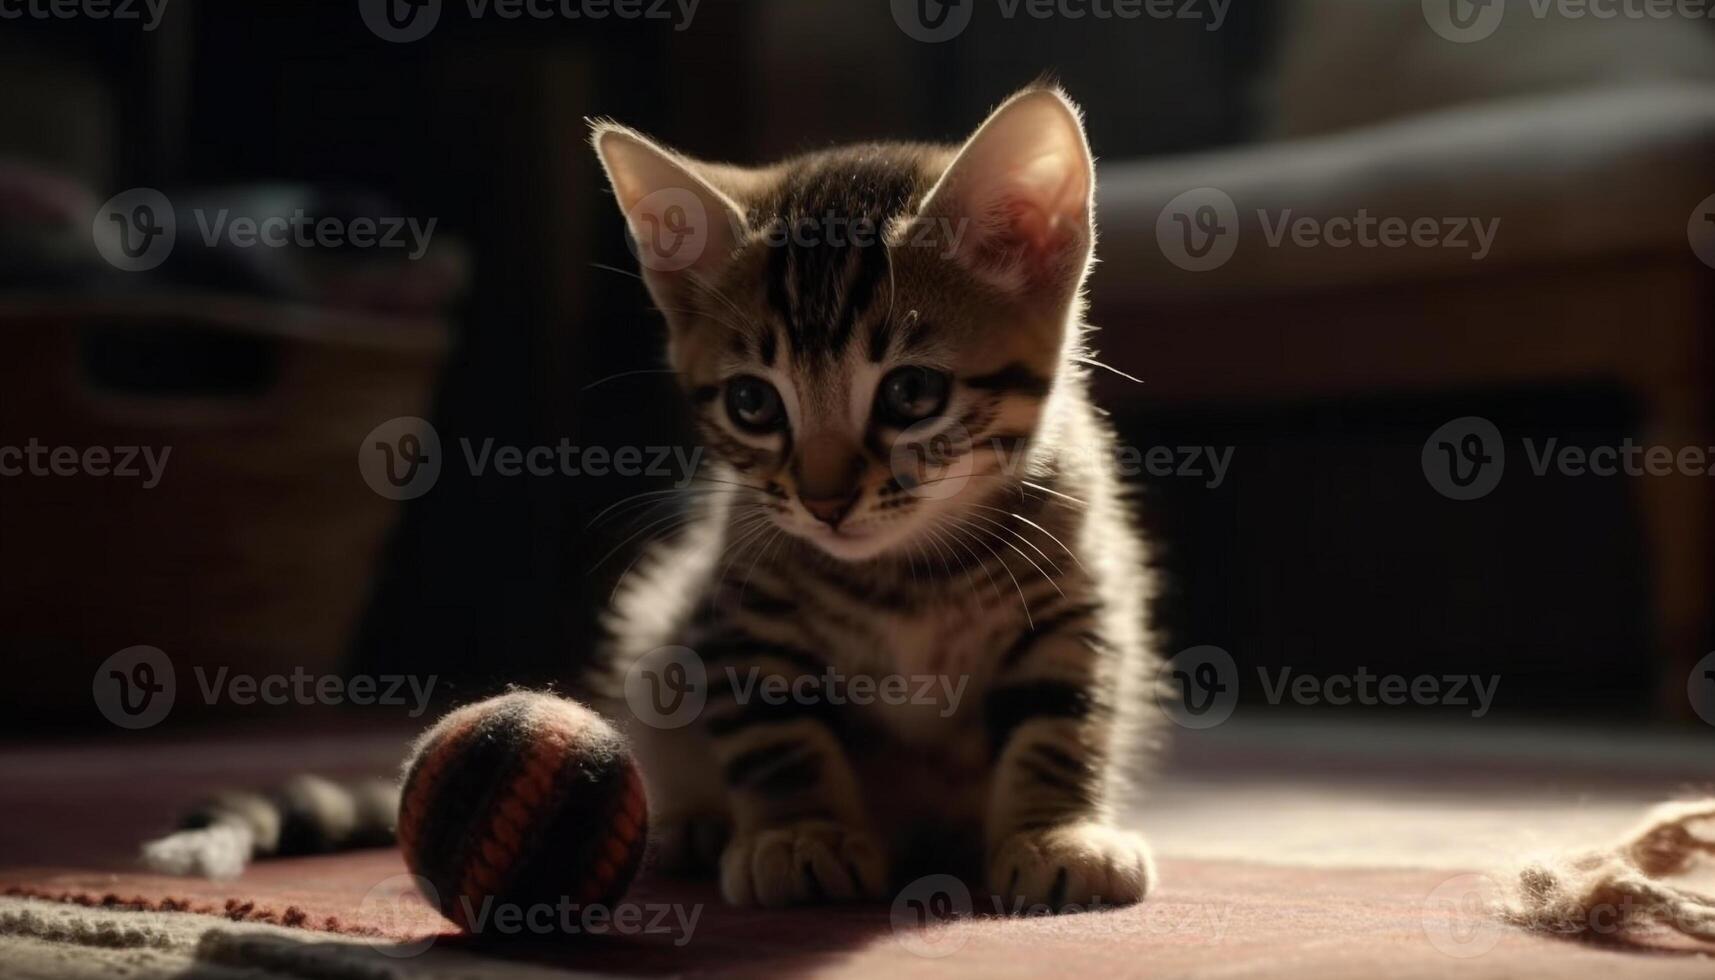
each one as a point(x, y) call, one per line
point(830, 510)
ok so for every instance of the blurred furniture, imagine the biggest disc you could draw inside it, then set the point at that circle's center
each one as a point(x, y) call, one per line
point(1590, 277)
point(256, 550)
point(1339, 64)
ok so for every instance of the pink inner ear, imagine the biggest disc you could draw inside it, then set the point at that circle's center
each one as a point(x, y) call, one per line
point(1038, 216)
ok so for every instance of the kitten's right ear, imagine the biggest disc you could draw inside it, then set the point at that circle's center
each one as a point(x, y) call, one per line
point(680, 223)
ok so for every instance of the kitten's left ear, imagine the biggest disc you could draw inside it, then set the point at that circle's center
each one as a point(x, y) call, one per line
point(1017, 204)
point(680, 223)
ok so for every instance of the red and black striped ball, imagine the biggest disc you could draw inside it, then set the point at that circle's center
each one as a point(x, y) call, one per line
point(519, 801)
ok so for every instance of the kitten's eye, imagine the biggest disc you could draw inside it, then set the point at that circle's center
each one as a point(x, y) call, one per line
point(911, 394)
point(754, 405)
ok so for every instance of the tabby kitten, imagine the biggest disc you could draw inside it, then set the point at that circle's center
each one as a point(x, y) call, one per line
point(883, 348)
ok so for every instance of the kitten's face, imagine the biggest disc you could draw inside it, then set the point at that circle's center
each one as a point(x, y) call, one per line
point(873, 427)
point(868, 336)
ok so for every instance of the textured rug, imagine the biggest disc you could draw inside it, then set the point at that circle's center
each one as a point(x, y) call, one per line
point(1209, 920)
point(1286, 851)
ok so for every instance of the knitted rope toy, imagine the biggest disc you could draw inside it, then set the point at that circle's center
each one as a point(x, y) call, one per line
point(1618, 893)
point(518, 802)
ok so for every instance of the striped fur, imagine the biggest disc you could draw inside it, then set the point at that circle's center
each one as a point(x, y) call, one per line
point(219, 836)
point(1024, 591)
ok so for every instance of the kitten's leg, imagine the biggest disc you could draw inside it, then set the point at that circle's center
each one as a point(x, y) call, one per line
point(1050, 838)
point(687, 802)
point(800, 833)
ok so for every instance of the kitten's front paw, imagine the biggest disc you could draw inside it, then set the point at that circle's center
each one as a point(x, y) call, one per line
point(1079, 864)
point(812, 861)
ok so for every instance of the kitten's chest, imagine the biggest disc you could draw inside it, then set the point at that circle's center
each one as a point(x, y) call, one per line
point(924, 670)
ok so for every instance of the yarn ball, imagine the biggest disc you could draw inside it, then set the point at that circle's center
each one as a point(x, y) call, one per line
point(521, 801)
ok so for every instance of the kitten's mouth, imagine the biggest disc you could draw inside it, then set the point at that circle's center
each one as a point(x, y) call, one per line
point(847, 543)
point(826, 533)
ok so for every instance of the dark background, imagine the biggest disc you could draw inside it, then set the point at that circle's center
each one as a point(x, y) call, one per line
point(1325, 549)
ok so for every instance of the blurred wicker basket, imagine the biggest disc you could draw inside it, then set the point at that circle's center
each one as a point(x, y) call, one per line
point(255, 550)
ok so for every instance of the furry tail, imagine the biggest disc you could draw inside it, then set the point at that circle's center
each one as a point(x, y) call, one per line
point(304, 815)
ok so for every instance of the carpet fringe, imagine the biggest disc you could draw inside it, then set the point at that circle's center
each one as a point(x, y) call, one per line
point(1618, 892)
